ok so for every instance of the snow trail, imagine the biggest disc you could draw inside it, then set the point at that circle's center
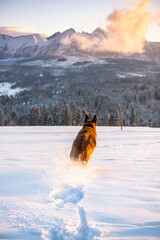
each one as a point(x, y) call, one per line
point(44, 196)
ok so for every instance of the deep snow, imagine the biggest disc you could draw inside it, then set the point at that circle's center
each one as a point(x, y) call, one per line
point(44, 196)
point(6, 89)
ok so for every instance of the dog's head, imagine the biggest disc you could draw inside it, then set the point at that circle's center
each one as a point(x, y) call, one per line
point(90, 123)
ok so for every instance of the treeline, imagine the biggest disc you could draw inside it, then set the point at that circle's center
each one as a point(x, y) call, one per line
point(68, 116)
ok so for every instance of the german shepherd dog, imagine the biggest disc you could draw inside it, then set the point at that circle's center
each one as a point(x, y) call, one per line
point(85, 142)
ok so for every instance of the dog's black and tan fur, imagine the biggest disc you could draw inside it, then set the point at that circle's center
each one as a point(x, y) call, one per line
point(85, 142)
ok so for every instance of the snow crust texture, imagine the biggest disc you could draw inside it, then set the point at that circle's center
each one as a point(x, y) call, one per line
point(45, 196)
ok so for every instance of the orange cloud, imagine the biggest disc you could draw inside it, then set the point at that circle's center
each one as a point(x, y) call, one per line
point(15, 31)
point(156, 16)
point(127, 27)
point(126, 30)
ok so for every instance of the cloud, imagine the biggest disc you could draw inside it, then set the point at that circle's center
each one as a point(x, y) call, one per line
point(16, 31)
point(128, 27)
point(126, 30)
point(156, 16)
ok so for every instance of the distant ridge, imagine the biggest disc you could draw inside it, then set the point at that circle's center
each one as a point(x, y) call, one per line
point(68, 43)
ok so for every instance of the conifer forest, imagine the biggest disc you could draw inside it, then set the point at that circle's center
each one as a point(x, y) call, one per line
point(56, 91)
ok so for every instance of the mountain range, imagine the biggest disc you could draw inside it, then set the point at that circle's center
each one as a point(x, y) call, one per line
point(70, 43)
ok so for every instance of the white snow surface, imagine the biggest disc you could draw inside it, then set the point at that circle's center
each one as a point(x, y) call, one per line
point(68, 63)
point(15, 43)
point(44, 196)
point(124, 75)
point(5, 89)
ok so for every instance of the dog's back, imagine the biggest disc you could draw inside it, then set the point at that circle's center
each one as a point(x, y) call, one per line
point(85, 142)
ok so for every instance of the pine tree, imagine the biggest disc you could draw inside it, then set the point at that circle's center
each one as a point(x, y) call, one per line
point(50, 108)
point(141, 122)
point(150, 122)
point(127, 122)
point(32, 116)
point(124, 122)
point(23, 116)
point(76, 115)
point(1, 118)
point(111, 120)
point(38, 116)
point(86, 111)
point(118, 117)
point(56, 115)
point(79, 117)
point(35, 116)
point(13, 120)
point(44, 112)
point(104, 122)
point(50, 121)
point(100, 121)
point(50, 115)
point(133, 117)
point(108, 119)
point(66, 116)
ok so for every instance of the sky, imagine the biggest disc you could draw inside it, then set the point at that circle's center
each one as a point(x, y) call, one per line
point(19, 17)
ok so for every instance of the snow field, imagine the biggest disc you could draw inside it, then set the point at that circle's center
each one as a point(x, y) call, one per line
point(5, 89)
point(44, 196)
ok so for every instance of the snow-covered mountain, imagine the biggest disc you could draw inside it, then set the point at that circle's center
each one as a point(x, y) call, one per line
point(20, 46)
point(69, 43)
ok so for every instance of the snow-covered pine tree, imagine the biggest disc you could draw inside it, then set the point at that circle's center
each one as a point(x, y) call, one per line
point(100, 121)
point(56, 115)
point(133, 117)
point(38, 116)
point(32, 116)
point(23, 116)
point(127, 122)
point(66, 119)
point(50, 120)
point(79, 117)
point(141, 123)
point(44, 112)
point(13, 119)
point(87, 111)
point(108, 119)
point(111, 120)
point(74, 114)
point(124, 122)
point(50, 114)
point(35, 116)
point(150, 122)
point(118, 117)
point(1, 118)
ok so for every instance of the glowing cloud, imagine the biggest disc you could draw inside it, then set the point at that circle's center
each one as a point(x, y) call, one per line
point(15, 31)
point(128, 27)
point(125, 30)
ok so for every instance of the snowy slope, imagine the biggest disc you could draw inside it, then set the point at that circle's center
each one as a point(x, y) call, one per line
point(20, 46)
point(55, 44)
point(6, 89)
point(43, 196)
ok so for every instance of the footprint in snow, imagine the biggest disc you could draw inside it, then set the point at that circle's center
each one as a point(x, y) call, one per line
point(67, 194)
point(83, 231)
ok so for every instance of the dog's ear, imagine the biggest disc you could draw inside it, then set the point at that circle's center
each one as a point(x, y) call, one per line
point(86, 118)
point(94, 119)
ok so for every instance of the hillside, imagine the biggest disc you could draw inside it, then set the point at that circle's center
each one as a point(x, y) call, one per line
point(95, 85)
